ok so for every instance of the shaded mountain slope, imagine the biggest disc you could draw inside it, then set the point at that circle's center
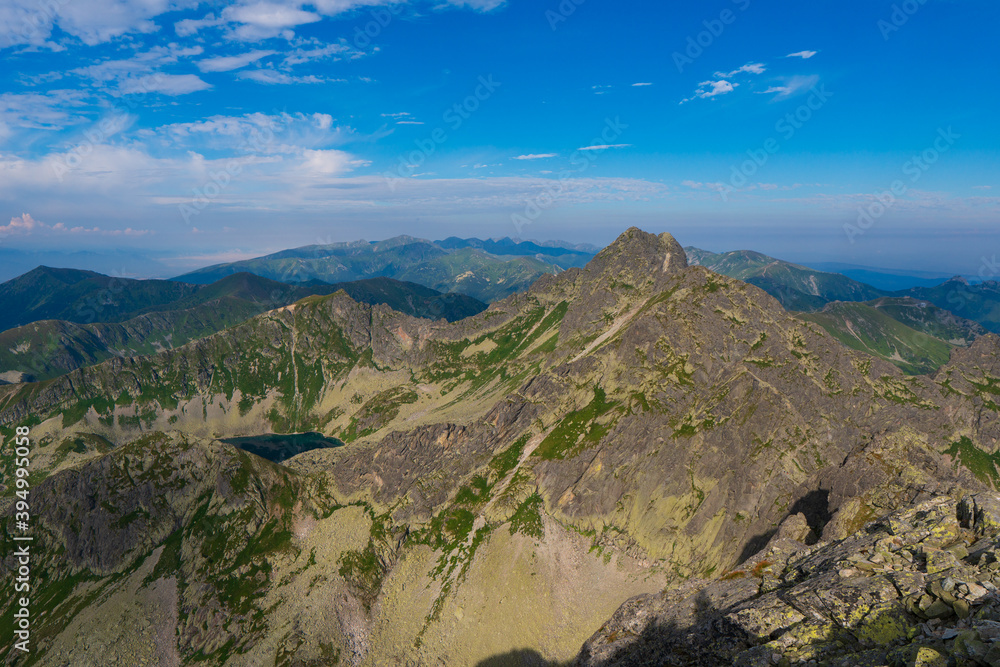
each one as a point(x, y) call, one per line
point(81, 296)
point(978, 302)
point(47, 349)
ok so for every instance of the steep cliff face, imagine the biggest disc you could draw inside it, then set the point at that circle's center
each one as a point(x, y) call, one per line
point(616, 430)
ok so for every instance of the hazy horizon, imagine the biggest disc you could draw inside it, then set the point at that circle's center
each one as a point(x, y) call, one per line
point(820, 133)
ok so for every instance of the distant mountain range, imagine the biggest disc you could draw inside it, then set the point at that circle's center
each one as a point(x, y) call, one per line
point(89, 317)
point(915, 328)
point(79, 318)
point(486, 270)
point(886, 279)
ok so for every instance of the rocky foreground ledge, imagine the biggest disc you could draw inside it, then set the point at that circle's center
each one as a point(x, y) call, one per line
point(919, 587)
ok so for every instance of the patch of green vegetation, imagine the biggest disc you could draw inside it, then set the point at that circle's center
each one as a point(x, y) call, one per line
point(899, 392)
point(475, 493)
point(578, 430)
point(981, 464)
point(509, 341)
point(505, 461)
point(169, 563)
point(81, 443)
point(549, 345)
point(126, 519)
point(527, 519)
point(377, 412)
point(675, 365)
point(79, 410)
point(364, 571)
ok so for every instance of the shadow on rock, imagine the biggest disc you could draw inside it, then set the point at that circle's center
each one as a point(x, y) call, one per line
point(520, 658)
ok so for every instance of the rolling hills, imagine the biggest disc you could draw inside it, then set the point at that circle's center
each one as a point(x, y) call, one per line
point(466, 266)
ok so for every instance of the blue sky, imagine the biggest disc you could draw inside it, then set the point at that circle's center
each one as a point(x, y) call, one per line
point(193, 132)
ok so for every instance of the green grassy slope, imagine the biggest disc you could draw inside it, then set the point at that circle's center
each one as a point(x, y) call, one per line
point(873, 327)
point(796, 287)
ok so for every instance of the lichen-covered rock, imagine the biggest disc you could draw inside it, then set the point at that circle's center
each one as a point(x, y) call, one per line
point(879, 597)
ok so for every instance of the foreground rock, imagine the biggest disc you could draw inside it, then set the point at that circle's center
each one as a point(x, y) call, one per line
point(919, 587)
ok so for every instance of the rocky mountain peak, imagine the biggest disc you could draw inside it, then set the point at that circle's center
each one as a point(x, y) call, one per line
point(637, 256)
point(642, 251)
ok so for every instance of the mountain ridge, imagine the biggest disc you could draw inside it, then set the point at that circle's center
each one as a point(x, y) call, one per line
point(613, 431)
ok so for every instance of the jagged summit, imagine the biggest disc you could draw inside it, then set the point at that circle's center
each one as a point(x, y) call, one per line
point(641, 253)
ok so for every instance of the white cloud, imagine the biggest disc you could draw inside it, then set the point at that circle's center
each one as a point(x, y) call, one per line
point(270, 15)
point(805, 55)
point(188, 27)
point(328, 162)
point(263, 20)
point(709, 89)
point(166, 84)
point(403, 118)
point(536, 156)
point(749, 68)
point(49, 111)
point(639, 85)
point(229, 63)
point(93, 21)
point(603, 147)
point(982, 187)
point(271, 77)
point(698, 185)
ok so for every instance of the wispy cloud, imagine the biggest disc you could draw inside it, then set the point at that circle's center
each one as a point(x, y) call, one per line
point(603, 147)
point(403, 118)
point(50, 111)
point(749, 68)
point(229, 63)
point(271, 77)
point(805, 55)
point(536, 156)
point(793, 85)
point(25, 225)
point(639, 85)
